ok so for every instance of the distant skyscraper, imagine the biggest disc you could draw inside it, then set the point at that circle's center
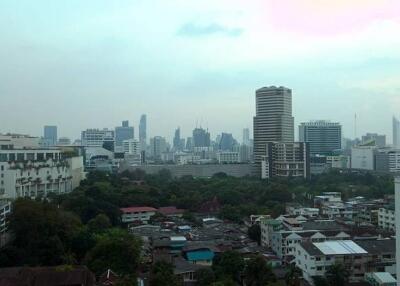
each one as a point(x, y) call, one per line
point(143, 132)
point(189, 144)
point(273, 121)
point(50, 135)
point(324, 136)
point(246, 136)
point(396, 132)
point(380, 140)
point(98, 138)
point(177, 144)
point(226, 142)
point(158, 145)
point(124, 132)
point(201, 138)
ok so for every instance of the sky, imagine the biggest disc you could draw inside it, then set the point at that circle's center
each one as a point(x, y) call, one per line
point(91, 64)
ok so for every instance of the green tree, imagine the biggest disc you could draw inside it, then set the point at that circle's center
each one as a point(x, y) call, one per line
point(320, 281)
point(254, 233)
point(162, 274)
point(116, 249)
point(229, 264)
point(258, 272)
point(293, 275)
point(99, 224)
point(337, 275)
point(205, 277)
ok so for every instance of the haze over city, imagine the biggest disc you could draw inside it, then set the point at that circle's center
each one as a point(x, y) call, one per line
point(82, 64)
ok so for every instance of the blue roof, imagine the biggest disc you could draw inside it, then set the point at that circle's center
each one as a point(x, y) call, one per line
point(200, 255)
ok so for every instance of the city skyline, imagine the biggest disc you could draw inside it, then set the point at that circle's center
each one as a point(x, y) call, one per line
point(95, 61)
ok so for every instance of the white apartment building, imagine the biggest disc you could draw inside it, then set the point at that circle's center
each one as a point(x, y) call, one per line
point(358, 257)
point(386, 218)
point(363, 157)
point(37, 172)
point(5, 210)
point(131, 146)
point(337, 210)
point(97, 137)
point(137, 214)
point(186, 158)
point(284, 243)
point(226, 157)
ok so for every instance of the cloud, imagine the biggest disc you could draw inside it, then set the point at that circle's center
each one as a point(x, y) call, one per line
point(196, 30)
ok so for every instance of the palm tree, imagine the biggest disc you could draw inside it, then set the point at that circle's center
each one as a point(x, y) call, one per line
point(337, 275)
point(293, 275)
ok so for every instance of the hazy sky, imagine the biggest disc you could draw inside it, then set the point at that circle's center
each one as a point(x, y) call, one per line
point(81, 64)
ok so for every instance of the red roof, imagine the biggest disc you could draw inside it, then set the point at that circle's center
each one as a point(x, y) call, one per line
point(138, 209)
point(170, 210)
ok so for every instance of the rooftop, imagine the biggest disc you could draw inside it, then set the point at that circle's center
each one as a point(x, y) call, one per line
point(339, 247)
point(138, 209)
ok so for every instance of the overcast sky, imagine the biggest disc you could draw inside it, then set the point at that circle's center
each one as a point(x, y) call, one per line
point(80, 64)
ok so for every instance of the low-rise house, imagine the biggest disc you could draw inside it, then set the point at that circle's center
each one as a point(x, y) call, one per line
point(386, 218)
point(268, 226)
point(171, 211)
point(137, 214)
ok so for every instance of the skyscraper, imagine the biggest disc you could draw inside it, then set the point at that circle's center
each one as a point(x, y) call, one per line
point(246, 136)
point(201, 138)
point(396, 132)
point(143, 132)
point(158, 145)
point(124, 132)
point(50, 135)
point(323, 136)
point(273, 121)
point(177, 144)
point(227, 142)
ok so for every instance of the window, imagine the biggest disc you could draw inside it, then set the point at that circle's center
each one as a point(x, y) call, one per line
point(318, 258)
point(40, 156)
point(20, 157)
point(3, 157)
point(319, 268)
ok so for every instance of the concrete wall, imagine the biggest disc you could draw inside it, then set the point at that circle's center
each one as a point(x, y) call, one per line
point(235, 170)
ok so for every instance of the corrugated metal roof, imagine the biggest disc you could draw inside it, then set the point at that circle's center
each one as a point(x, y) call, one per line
point(339, 247)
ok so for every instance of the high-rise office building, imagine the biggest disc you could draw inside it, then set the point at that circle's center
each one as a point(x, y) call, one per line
point(177, 144)
point(273, 121)
point(226, 142)
point(143, 132)
point(379, 140)
point(396, 132)
point(124, 132)
point(158, 145)
point(323, 136)
point(246, 136)
point(50, 135)
point(201, 138)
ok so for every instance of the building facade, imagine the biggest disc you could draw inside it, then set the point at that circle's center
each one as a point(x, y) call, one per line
point(98, 138)
point(323, 136)
point(273, 121)
point(380, 140)
point(123, 132)
point(396, 132)
point(143, 132)
point(286, 160)
point(387, 218)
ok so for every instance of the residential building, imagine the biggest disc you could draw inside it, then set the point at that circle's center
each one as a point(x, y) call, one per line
point(268, 226)
point(132, 154)
point(273, 121)
point(245, 153)
point(363, 157)
point(323, 136)
point(50, 135)
point(396, 132)
point(380, 140)
point(37, 172)
point(380, 279)
point(137, 214)
point(286, 160)
point(358, 257)
point(122, 133)
point(386, 218)
point(226, 157)
point(143, 132)
point(387, 160)
point(5, 210)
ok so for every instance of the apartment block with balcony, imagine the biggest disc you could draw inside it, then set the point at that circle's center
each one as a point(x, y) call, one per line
point(386, 218)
